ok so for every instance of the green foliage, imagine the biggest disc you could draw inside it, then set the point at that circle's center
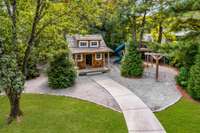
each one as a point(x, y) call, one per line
point(11, 78)
point(182, 78)
point(187, 13)
point(132, 65)
point(180, 54)
point(61, 72)
point(33, 71)
point(194, 79)
point(184, 53)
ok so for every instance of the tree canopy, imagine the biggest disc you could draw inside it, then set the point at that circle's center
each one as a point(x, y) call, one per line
point(32, 31)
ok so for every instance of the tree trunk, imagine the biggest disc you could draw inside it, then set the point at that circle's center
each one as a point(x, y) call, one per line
point(134, 34)
point(25, 60)
point(142, 30)
point(32, 37)
point(15, 111)
point(160, 33)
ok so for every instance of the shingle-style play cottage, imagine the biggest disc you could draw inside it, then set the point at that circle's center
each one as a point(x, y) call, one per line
point(90, 52)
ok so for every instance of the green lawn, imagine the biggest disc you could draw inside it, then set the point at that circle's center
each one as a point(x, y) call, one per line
point(53, 114)
point(183, 117)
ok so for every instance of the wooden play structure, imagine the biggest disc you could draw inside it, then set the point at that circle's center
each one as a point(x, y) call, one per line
point(89, 52)
point(150, 57)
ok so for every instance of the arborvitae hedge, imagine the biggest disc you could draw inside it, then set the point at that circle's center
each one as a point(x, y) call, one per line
point(132, 65)
point(194, 79)
point(182, 78)
point(61, 72)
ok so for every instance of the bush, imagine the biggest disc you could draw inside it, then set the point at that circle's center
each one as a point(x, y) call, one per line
point(194, 79)
point(132, 65)
point(61, 72)
point(182, 78)
point(33, 71)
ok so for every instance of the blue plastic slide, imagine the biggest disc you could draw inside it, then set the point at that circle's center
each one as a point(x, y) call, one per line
point(118, 53)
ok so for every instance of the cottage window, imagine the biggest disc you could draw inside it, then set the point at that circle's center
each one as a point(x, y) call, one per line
point(83, 44)
point(98, 56)
point(79, 57)
point(94, 44)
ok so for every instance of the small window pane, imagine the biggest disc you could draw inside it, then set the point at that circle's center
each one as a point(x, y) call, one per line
point(79, 57)
point(98, 56)
point(93, 44)
point(83, 44)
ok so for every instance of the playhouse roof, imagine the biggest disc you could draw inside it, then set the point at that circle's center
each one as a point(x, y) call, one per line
point(73, 44)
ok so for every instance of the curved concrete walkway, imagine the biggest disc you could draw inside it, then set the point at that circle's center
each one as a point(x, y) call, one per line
point(157, 95)
point(139, 118)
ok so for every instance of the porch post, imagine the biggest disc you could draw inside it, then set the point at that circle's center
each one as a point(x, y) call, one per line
point(108, 59)
point(104, 60)
point(75, 60)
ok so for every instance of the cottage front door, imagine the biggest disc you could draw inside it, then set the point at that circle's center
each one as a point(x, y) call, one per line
point(89, 60)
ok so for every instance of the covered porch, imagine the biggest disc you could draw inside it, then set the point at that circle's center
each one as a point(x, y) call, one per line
point(92, 62)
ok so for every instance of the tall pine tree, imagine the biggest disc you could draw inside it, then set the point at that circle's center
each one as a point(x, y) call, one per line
point(132, 65)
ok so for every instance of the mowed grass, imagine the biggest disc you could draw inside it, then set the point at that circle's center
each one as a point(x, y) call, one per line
point(54, 114)
point(183, 117)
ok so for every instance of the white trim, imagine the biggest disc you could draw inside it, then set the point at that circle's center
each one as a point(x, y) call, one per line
point(83, 42)
point(95, 45)
point(81, 59)
point(98, 58)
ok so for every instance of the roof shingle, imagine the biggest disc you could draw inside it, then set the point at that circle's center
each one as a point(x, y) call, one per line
point(73, 46)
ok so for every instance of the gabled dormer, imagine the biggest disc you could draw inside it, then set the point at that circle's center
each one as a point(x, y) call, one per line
point(88, 44)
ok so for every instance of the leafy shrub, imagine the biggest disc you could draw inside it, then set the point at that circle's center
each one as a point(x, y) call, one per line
point(61, 72)
point(194, 79)
point(33, 71)
point(184, 53)
point(132, 65)
point(182, 78)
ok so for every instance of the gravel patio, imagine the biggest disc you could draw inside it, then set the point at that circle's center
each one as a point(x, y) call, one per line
point(156, 95)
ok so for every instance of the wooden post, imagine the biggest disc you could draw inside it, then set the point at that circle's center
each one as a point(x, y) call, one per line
point(108, 59)
point(157, 58)
point(76, 60)
point(157, 68)
point(151, 61)
point(104, 59)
